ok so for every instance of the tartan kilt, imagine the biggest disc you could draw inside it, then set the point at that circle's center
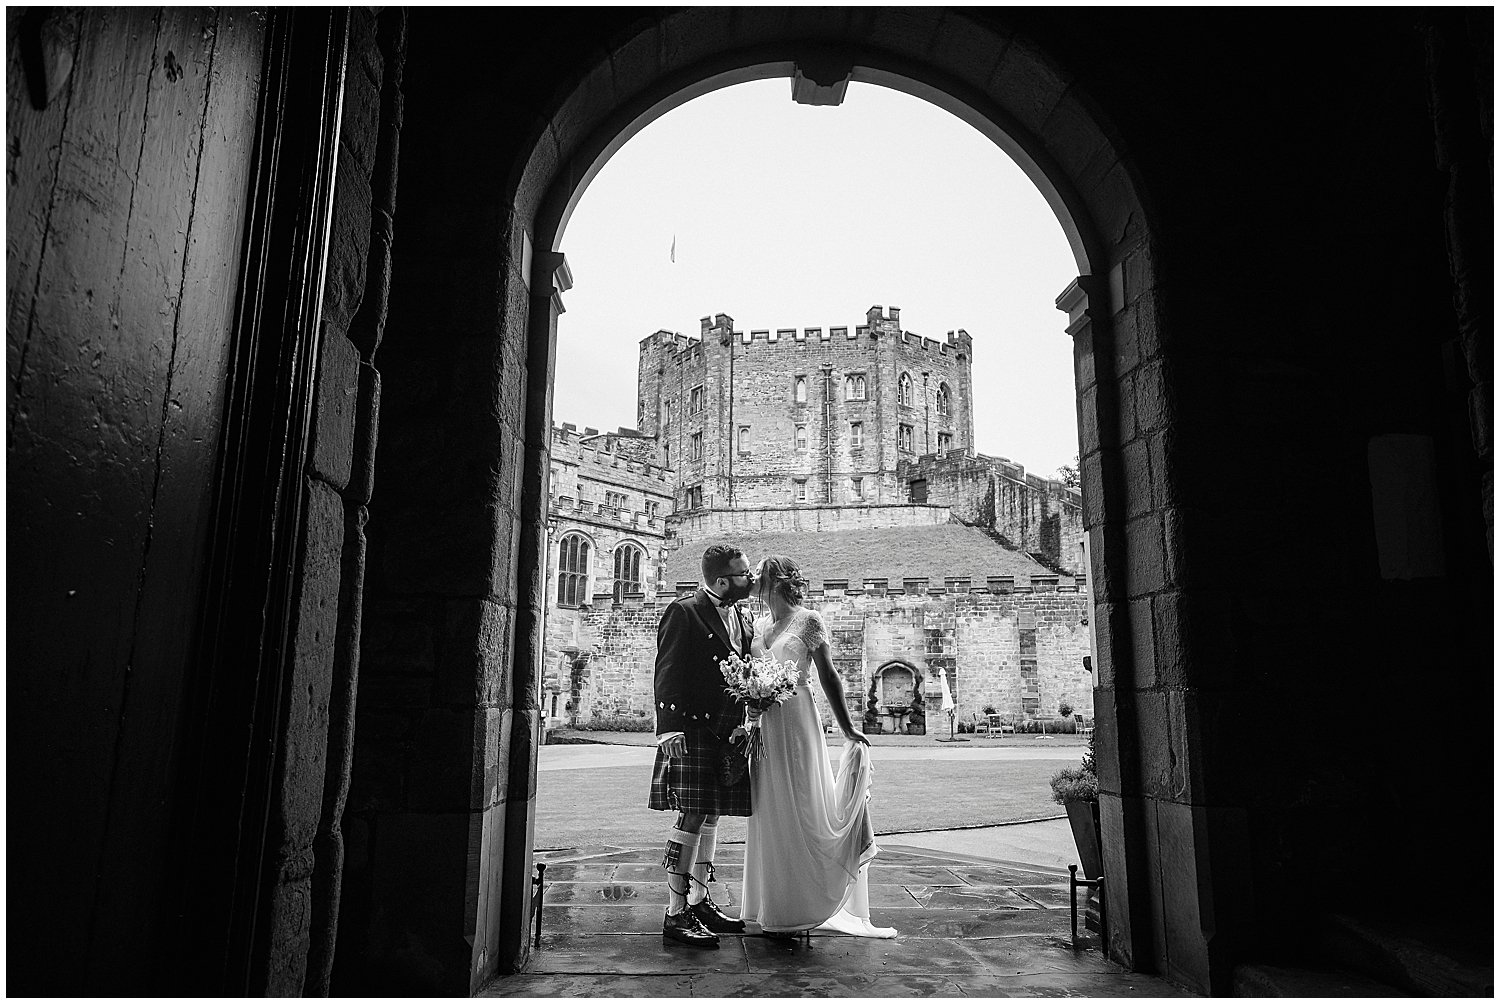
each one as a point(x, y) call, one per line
point(691, 783)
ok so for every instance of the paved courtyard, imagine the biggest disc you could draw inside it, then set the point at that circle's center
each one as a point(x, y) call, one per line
point(969, 926)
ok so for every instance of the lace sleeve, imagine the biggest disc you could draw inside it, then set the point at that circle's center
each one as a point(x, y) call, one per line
point(811, 630)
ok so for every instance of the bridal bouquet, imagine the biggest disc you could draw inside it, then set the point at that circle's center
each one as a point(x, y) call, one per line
point(760, 684)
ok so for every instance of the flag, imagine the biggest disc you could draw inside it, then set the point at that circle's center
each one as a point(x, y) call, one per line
point(674, 247)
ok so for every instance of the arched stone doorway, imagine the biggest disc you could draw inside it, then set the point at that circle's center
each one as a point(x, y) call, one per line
point(503, 337)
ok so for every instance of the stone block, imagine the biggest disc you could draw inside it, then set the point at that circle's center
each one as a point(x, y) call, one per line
point(1106, 740)
point(1117, 878)
point(1150, 339)
point(972, 51)
point(1142, 645)
point(692, 35)
point(591, 100)
point(1127, 349)
point(366, 435)
point(1088, 421)
point(1116, 208)
point(1154, 734)
point(1092, 473)
point(636, 61)
point(334, 426)
point(1027, 84)
point(1073, 136)
point(359, 124)
point(349, 244)
point(1084, 371)
point(1152, 410)
point(1183, 921)
point(473, 668)
point(304, 750)
point(1136, 466)
point(1145, 569)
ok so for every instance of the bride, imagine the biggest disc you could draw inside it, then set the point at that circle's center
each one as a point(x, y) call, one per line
point(810, 838)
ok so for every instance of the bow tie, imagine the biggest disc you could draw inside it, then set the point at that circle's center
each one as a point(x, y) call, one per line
point(722, 603)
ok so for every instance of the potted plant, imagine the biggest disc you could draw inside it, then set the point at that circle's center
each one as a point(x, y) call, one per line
point(1076, 789)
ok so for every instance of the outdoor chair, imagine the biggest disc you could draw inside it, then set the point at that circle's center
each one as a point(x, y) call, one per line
point(981, 724)
point(1007, 724)
point(1085, 725)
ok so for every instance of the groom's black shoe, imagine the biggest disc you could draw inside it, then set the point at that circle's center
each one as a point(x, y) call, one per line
point(716, 920)
point(688, 929)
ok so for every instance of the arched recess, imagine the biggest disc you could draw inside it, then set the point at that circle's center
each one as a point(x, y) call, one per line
point(1002, 85)
point(1006, 88)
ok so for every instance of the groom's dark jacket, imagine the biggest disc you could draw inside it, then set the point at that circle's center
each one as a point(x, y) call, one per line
point(690, 641)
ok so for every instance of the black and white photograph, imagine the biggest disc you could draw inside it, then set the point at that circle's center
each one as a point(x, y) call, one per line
point(721, 502)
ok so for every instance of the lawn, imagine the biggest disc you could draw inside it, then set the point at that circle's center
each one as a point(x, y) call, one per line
point(608, 805)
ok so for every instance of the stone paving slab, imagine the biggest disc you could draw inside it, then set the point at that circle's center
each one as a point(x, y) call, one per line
point(968, 927)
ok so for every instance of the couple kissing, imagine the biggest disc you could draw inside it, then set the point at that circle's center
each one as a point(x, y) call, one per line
point(810, 838)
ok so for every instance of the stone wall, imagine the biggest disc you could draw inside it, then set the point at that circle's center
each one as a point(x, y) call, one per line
point(1039, 516)
point(978, 639)
point(701, 526)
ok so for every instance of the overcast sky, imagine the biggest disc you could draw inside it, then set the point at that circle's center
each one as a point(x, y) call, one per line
point(789, 216)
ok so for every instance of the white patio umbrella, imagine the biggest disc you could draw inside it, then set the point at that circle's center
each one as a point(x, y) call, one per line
point(948, 703)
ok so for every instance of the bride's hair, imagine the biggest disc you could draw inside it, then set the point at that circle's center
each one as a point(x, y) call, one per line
point(785, 579)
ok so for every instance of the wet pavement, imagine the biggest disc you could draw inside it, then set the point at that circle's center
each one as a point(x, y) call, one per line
point(970, 926)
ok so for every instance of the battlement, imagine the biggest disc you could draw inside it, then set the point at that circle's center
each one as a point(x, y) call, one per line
point(876, 588)
point(566, 505)
point(878, 321)
point(932, 465)
point(626, 451)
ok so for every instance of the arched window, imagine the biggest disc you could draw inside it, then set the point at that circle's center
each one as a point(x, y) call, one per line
point(942, 399)
point(572, 570)
point(903, 390)
point(800, 394)
point(854, 387)
point(627, 570)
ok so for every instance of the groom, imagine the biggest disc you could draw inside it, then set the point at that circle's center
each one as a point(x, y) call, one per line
point(695, 720)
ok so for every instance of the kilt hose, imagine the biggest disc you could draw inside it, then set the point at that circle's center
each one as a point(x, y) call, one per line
point(691, 783)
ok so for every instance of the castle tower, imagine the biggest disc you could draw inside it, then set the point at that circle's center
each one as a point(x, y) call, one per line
point(811, 416)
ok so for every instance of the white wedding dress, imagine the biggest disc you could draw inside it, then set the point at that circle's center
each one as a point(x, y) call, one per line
point(810, 838)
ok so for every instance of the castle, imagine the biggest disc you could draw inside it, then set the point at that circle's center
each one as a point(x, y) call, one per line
point(852, 449)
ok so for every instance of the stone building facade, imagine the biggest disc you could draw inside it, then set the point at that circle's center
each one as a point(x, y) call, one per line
point(850, 448)
point(607, 516)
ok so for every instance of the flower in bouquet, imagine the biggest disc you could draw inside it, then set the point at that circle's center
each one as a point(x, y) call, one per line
point(758, 683)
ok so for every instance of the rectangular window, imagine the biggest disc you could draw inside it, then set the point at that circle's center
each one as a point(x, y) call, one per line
point(615, 500)
point(801, 437)
point(800, 493)
point(945, 441)
point(744, 439)
point(695, 497)
point(856, 435)
point(857, 489)
point(697, 442)
point(667, 418)
point(903, 438)
point(666, 455)
point(695, 402)
point(653, 509)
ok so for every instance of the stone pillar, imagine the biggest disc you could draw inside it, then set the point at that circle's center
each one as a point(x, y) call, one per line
point(1122, 816)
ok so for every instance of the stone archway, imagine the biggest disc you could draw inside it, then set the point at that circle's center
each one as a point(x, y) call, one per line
point(1028, 107)
point(489, 284)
